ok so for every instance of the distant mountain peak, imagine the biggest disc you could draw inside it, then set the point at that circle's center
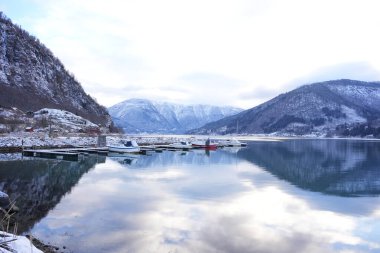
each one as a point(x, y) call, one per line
point(143, 115)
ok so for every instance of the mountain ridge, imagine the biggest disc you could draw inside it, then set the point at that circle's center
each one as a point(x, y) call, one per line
point(142, 115)
point(323, 108)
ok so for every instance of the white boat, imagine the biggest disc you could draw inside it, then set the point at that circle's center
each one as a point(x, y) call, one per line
point(125, 147)
point(231, 143)
point(181, 145)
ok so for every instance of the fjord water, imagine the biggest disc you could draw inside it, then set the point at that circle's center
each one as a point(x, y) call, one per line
point(286, 196)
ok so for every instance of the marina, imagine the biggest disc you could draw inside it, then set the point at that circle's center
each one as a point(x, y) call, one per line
point(73, 154)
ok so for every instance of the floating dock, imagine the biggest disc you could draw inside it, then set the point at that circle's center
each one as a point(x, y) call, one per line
point(69, 154)
point(51, 154)
point(72, 154)
point(173, 148)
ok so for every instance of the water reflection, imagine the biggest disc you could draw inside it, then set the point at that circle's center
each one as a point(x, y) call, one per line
point(339, 167)
point(38, 185)
point(223, 201)
point(127, 159)
point(168, 158)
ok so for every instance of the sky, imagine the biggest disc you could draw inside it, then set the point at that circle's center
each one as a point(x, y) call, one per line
point(237, 52)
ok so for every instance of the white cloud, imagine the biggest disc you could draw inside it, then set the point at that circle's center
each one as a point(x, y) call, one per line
point(261, 45)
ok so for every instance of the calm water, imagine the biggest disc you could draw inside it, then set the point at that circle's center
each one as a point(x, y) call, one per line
point(291, 196)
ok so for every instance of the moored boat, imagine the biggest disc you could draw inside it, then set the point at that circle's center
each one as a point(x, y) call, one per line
point(231, 143)
point(181, 145)
point(125, 147)
point(204, 144)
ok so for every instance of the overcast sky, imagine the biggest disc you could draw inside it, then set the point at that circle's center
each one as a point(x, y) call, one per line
point(236, 52)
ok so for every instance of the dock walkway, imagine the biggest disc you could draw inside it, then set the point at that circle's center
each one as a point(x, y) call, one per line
point(70, 154)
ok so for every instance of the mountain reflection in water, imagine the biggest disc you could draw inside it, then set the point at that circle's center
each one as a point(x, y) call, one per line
point(37, 185)
point(339, 167)
point(291, 196)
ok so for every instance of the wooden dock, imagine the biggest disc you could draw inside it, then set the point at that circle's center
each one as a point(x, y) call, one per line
point(172, 148)
point(51, 154)
point(151, 149)
point(69, 154)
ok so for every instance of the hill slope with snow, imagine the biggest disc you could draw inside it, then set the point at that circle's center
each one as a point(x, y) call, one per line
point(32, 78)
point(44, 120)
point(145, 116)
point(339, 107)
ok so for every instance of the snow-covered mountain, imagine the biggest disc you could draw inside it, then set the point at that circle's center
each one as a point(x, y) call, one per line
point(339, 107)
point(145, 116)
point(32, 78)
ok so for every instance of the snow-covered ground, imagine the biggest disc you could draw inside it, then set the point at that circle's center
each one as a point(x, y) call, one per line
point(19, 244)
point(63, 118)
point(44, 120)
point(43, 140)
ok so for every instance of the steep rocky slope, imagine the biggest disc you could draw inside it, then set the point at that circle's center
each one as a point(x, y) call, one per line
point(31, 77)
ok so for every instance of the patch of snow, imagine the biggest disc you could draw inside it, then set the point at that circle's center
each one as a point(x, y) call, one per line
point(222, 129)
point(368, 95)
point(3, 195)
point(11, 156)
point(352, 116)
point(5, 113)
point(42, 140)
point(296, 124)
point(64, 118)
point(21, 244)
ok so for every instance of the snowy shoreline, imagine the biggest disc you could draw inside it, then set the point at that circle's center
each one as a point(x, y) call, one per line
point(16, 243)
point(19, 140)
point(16, 141)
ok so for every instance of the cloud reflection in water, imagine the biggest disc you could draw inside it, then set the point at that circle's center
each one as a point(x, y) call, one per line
point(196, 203)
